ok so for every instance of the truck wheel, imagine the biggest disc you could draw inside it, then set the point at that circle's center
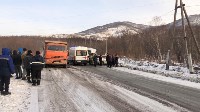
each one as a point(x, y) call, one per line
point(64, 66)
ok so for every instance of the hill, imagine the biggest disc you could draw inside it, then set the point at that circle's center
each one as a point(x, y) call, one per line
point(116, 29)
point(113, 29)
point(194, 20)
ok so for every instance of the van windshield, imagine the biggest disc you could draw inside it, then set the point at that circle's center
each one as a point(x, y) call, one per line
point(56, 48)
point(81, 53)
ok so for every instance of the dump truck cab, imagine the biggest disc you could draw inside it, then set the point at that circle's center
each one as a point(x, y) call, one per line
point(55, 53)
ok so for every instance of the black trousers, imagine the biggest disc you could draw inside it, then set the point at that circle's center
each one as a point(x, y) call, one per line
point(1, 89)
point(36, 76)
point(18, 71)
point(5, 81)
point(28, 75)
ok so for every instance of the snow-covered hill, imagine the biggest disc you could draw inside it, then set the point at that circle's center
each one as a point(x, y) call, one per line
point(115, 29)
point(194, 20)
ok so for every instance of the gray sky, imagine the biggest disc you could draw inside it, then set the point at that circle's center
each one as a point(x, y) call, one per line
point(44, 17)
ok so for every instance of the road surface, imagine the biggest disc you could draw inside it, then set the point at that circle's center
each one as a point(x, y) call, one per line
point(100, 89)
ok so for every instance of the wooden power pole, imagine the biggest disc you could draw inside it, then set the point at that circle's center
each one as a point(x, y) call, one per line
point(183, 16)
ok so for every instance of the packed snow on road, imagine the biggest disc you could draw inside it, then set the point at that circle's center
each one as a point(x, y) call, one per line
point(74, 90)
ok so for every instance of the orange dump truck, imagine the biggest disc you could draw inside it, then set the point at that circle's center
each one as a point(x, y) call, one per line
point(55, 53)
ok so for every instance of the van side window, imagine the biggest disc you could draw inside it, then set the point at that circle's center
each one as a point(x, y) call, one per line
point(81, 53)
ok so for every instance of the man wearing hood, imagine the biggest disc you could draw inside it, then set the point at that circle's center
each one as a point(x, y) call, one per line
point(17, 61)
point(6, 69)
point(37, 65)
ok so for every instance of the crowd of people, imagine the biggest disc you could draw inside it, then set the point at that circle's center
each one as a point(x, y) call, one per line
point(111, 60)
point(24, 64)
point(28, 67)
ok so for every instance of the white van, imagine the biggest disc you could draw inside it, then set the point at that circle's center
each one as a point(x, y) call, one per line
point(78, 55)
point(91, 51)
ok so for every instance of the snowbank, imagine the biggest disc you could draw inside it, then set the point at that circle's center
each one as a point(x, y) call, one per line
point(177, 71)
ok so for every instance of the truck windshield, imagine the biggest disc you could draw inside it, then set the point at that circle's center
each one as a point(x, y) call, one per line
point(56, 48)
point(81, 53)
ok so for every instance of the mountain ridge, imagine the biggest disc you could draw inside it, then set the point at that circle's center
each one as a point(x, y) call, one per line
point(116, 29)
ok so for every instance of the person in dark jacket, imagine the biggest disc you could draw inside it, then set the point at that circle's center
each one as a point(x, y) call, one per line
point(116, 60)
point(113, 60)
point(100, 60)
point(95, 60)
point(23, 67)
point(27, 66)
point(37, 65)
point(6, 69)
point(17, 61)
point(108, 60)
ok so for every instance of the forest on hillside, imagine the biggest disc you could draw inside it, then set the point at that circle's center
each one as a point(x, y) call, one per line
point(152, 44)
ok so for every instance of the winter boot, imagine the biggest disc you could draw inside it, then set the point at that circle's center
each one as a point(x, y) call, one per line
point(38, 82)
point(5, 93)
point(34, 82)
point(23, 78)
point(29, 80)
point(2, 92)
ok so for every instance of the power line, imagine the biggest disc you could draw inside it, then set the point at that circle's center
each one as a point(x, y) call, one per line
point(193, 6)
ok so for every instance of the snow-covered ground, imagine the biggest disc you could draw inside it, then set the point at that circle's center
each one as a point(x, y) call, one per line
point(176, 72)
point(24, 97)
point(20, 98)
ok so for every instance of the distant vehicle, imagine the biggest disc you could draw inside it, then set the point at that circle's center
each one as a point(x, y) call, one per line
point(104, 62)
point(78, 55)
point(91, 51)
point(55, 53)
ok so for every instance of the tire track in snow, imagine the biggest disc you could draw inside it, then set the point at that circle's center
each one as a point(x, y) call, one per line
point(135, 90)
point(120, 105)
point(53, 97)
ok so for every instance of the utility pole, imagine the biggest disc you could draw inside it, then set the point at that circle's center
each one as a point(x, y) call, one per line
point(168, 60)
point(90, 42)
point(106, 46)
point(85, 41)
point(188, 53)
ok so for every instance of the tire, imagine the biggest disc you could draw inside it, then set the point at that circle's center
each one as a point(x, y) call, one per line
point(64, 66)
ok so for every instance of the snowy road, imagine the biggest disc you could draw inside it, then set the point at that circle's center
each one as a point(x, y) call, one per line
point(164, 92)
point(76, 90)
point(88, 89)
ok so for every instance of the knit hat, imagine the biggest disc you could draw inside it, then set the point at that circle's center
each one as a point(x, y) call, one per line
point(29, 52)
point(24, 49)
point(37, 52)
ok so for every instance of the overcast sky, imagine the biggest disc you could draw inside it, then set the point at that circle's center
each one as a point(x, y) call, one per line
point(44, 17)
